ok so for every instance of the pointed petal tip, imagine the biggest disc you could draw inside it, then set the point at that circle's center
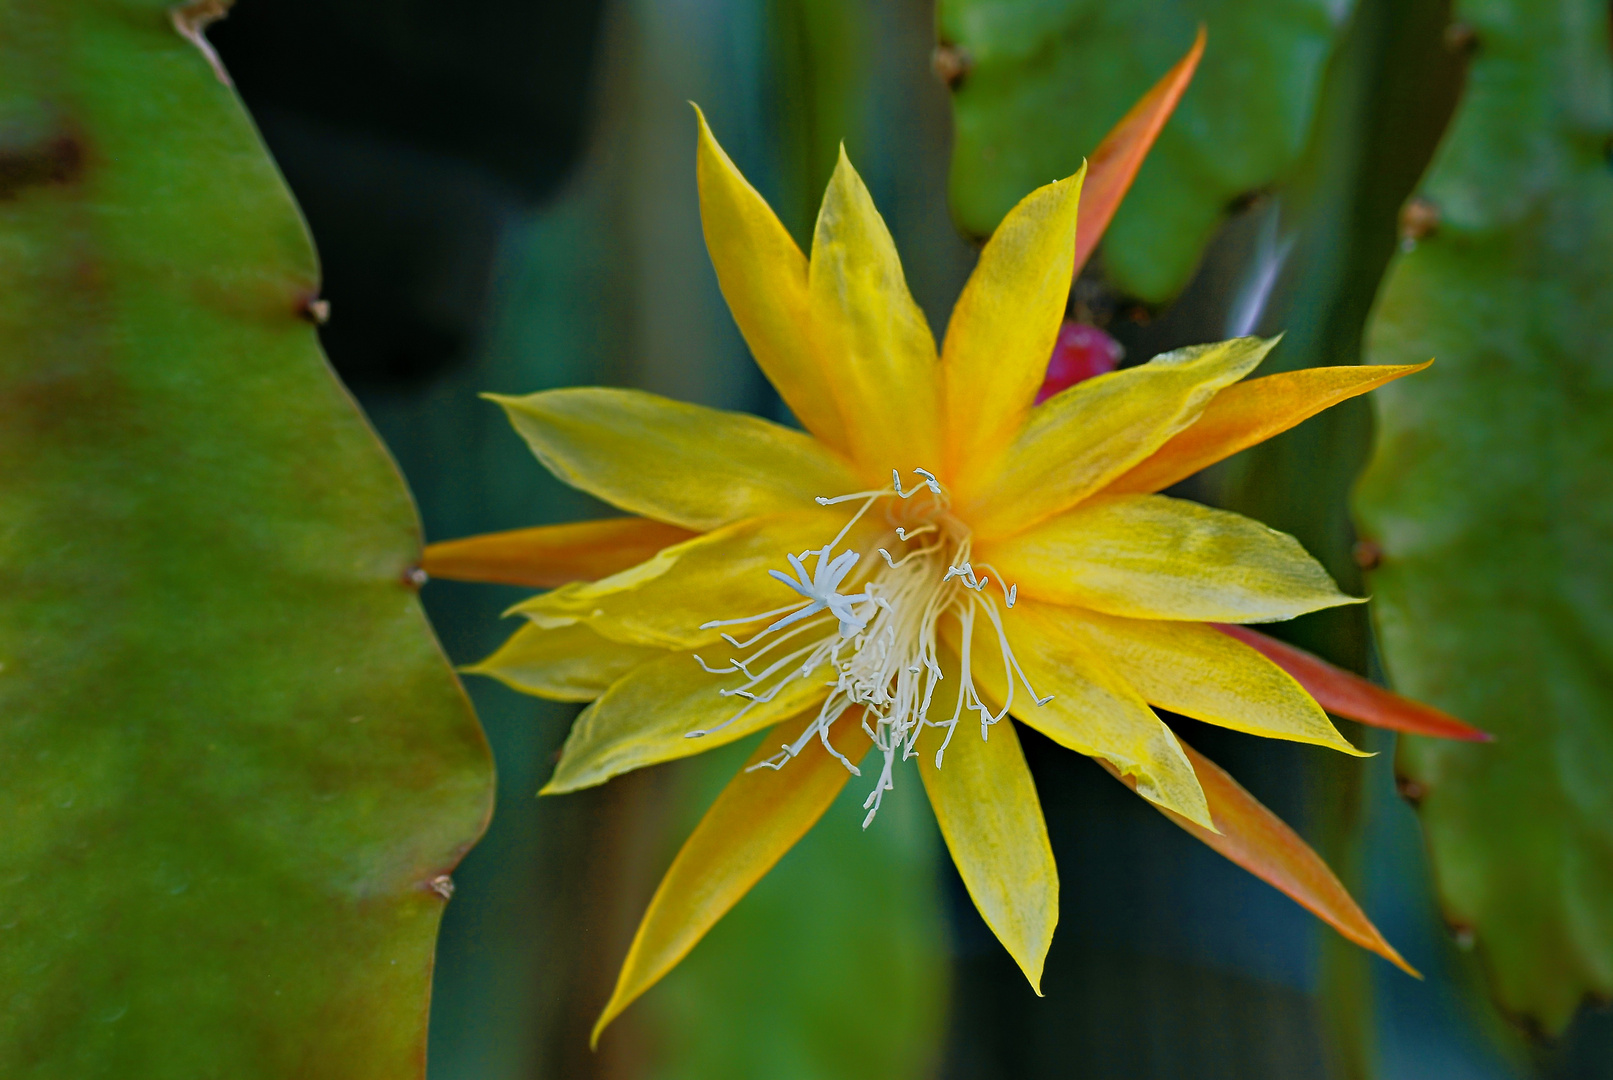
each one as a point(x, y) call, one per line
point(705, 141)
point(843, 161)
point(613, 1008)
point(599, 1026)
point(1399, 961)
point(1034, 967)
point(1344, 746)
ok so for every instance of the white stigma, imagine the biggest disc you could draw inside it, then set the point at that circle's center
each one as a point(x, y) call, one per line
point(883, 658)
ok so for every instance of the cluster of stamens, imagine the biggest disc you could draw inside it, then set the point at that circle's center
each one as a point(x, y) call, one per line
point(877, 649)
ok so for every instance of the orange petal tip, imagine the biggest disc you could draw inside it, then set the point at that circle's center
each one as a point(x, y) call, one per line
point(1347, 694)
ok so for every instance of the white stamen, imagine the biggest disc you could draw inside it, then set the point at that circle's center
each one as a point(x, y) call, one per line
point(877, 648)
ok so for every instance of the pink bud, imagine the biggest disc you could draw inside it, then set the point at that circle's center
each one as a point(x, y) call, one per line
point(1081, 352)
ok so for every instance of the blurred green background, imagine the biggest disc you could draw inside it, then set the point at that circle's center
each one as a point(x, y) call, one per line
point(503, 200)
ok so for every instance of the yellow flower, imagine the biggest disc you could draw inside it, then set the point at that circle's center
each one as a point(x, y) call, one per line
point(932, 556)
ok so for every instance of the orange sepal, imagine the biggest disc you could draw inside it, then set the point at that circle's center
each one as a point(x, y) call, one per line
point(1115, 162)
point(1346, 694)
point(1259, 841)
point(552, 555)
point(1251, 412)
point(758, 817)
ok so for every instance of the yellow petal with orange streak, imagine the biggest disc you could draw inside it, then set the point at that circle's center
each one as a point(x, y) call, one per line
point(670, 708)
point(1004, 324)
point(1079, 440)
point(563, 663)
point(986, 804)
point(877, 351)
point(1115, 162)
point(1259, 841)
point(1251, 412)
point(552, 555)
point(758, 817)
point(666, 601)
point(1153, 557)
point(763, 276)
point(1092, 710)
point(1198, 671)
point(668, 460)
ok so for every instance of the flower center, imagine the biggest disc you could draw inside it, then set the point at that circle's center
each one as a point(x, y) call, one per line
point(877, 648)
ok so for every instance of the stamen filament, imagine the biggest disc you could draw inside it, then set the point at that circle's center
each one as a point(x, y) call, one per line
point(885, 659)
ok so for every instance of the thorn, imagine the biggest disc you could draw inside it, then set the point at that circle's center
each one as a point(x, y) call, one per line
point(317, 311)
point(951, 64)
point(1410, 790)
point(442, 885)
point(1459, 37)
point(1419, 219)
point(191, 21)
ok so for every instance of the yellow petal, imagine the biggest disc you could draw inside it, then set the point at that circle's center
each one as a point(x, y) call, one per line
point(1196, 670)
point(1258, 840)
point(1252, 412)
point(1153, 557)
point(648, 715)
point(877, 349)
point(1004, 325)
point(1093, 711)
point(985, 802)
point(684, 464)
point(763, 276)
point(758, 817)
point(666, 601)
point(551, 555)
point(1077, 441)
point(565, 663)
